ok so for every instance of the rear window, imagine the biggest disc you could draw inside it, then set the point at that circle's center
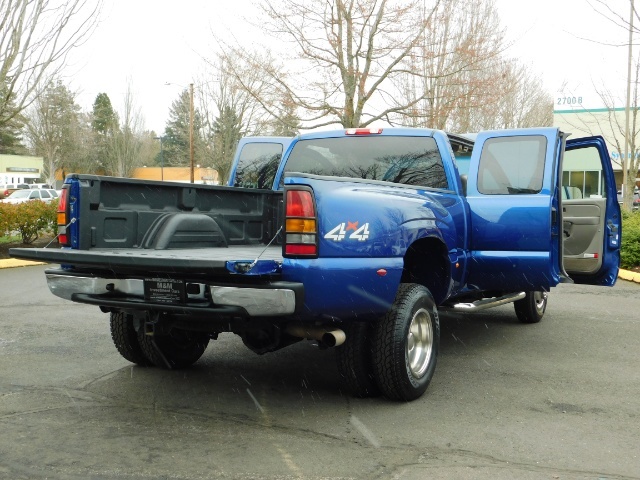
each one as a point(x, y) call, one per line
point(257, 165)
point(405, 160)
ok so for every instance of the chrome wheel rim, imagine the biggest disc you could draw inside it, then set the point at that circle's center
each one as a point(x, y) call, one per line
point(540, 299)
point(419, 342)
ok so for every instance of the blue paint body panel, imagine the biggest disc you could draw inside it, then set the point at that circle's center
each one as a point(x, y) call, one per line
point(492, 241)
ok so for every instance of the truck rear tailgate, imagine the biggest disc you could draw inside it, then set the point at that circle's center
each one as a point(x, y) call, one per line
point(191, 260)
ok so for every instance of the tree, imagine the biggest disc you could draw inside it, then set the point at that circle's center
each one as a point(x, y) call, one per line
point(227, 132)
point(104, 125)
point(287, 123)
point(53, 124)
point(35, 38)
point(10, 131)
point(125, 145)
point(523, 101)
point(625, 140)
point(453, 69)
point(348, 54)
point(230, 112)
point(177, 132)
point(104, 116)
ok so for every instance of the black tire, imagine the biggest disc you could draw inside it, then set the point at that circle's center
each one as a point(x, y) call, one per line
point(531, 308)
point(178, 349)
point(125, 339)
point(406, 344)
point(354, 362)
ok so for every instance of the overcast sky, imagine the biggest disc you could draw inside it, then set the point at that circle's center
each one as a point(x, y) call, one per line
point(152, 42)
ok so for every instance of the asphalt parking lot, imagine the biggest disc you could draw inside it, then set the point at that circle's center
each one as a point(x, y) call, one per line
point(556, 400)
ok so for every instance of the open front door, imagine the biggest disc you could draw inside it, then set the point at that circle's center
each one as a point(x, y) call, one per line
point(590, 213)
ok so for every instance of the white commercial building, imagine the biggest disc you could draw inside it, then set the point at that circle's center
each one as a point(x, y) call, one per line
point(20, 169)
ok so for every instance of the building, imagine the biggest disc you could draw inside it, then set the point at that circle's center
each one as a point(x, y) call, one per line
point(201, 175)
point(610, 123)
point(20, 169)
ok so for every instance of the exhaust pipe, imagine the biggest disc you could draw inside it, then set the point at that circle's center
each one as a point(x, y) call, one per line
point(329, 338)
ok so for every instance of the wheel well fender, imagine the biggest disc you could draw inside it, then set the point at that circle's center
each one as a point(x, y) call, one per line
point(426, 262)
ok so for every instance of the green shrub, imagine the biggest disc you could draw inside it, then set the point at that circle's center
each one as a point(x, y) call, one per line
point(630, 243)
point(6, 215)
point(29, 219)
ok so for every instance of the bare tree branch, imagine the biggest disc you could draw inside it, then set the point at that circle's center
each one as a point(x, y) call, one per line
point(344, 53)
point(35, 38)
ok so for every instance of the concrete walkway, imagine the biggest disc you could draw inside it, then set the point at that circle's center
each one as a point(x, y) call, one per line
point(16, 262)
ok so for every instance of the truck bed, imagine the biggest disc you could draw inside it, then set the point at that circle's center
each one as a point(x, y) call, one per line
point(212, 260)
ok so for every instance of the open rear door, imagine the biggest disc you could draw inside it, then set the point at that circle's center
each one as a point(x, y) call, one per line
point(590, 213)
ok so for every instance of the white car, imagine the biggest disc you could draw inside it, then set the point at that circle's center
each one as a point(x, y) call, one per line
point(26, 195)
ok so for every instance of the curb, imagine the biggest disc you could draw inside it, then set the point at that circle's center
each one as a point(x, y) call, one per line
point(15, 262)
point(629, 276)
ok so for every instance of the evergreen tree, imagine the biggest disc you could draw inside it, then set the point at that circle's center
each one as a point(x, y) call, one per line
point(104, 124)
point(10, 136)
point(227, 132)
point(176, 133)
point(288, 123)
point(104, 117)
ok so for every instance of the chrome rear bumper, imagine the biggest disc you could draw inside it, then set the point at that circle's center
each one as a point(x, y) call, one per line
point(269, 300)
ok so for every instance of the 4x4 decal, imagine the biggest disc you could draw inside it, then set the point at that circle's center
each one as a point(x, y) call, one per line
point(340, 232)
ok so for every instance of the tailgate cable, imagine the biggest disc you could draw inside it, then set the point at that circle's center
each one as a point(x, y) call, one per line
point(245, 268)
point(73, 220)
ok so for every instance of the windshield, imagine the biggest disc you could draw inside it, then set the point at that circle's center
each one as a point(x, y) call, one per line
point(20, 194)
point(404, 160)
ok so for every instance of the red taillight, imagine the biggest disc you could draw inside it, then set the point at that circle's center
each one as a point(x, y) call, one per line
point(363, 131)
point(301, 232)
point(300, 250)
point(300, 204)
point(63, 237)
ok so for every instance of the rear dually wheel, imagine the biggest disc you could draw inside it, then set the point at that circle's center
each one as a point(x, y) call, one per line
point(406, 343)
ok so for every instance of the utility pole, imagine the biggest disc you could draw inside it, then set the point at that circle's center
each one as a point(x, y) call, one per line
point(161, 138)
point(627, 198)
point(191, 130)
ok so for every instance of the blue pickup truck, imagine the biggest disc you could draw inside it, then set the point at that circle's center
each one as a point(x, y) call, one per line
point(354, 239)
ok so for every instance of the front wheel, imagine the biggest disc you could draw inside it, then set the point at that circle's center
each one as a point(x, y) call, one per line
point(406, 343)
point(177, 349)
point(531, 308)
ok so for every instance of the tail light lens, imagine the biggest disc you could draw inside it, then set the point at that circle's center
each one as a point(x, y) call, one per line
point(63, 217)
point(301, 224)
point(363, 131)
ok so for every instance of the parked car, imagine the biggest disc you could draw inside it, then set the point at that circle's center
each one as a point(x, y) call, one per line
point(26, 195)
point(9, 188)
point(54, 193)
point(636, 199)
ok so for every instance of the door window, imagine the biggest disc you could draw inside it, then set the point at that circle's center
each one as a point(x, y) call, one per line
point(512, 165)
point(582, 174)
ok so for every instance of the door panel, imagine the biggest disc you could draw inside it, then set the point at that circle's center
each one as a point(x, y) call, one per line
point(590, 213)
point(582, 222)
point(514, 236)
